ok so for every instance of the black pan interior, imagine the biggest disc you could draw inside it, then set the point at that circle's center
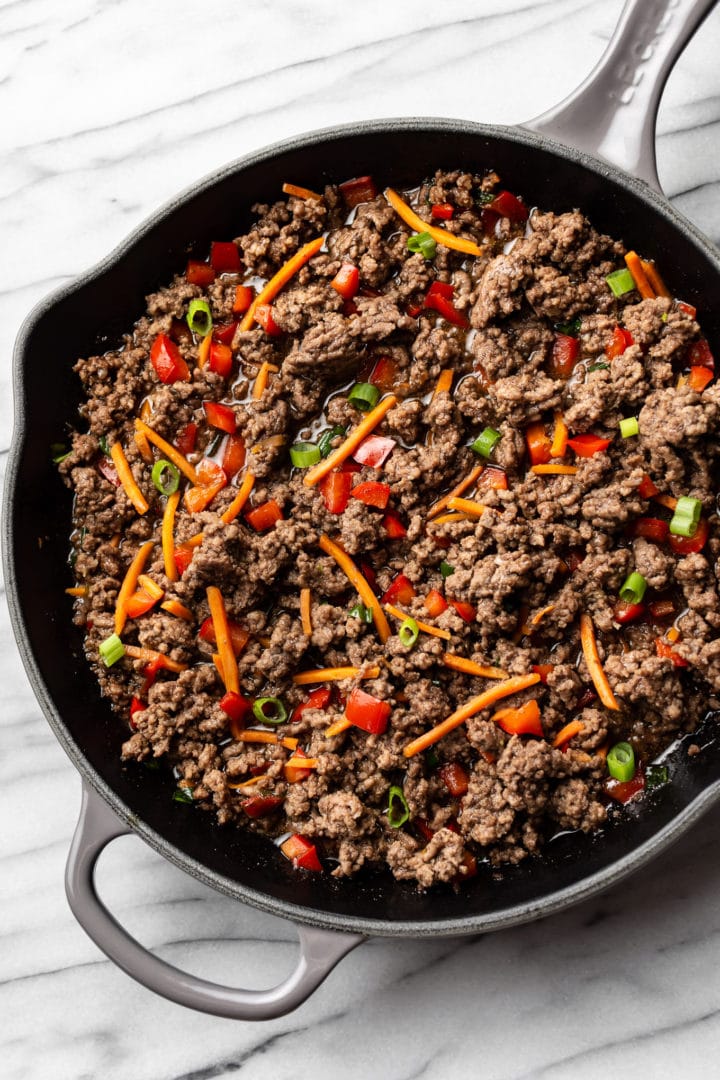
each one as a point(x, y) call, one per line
point(93, 314)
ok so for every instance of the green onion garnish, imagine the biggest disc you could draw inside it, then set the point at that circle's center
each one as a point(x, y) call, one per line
point(165, 477)
point(686, 518)
point(398, 811)
point(485, 443)
point(664, 316)
point(408, 633)
point(111, 650)
point(446, 569)
point(629, 427)
point(327, 437)
point(104, 446)
point(199, 317)
point(620, 282)
point(362, 613)
point(633, 588)
point(182, 795)
point(364, 396)
point(304, 454)
point(59, 452)
point(569, 329)
point(656, 776)
point(269, 710)
point(602, 366)
point(485, 198)
point(621, 762)
point(422, 243)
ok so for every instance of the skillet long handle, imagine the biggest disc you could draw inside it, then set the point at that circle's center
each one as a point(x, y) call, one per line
point(320, 950)
point(612, 115)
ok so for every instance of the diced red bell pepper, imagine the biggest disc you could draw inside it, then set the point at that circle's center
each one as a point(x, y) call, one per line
point(442, 211)
point(181, 332)
point(220, 359)
point(369, 574)
point(699, 377)
point(166, 359)
point(621, 340)
point(543, 670)
point(151, 673)
point(293, 774)
point(413, 310)
point(264, 517)
point(358, 190)
point(437, 300)
point(182, 557)
point(700, 355)
point(199, 273)
point(469, 868)
point(244, 296)
point(508, 205)
point(523, 721)
point(264, 316)
point(646, 488)
point(186, 438)
point(538, 443)
point(665, 650)
point(564, 356)
point(239, 637)
point(662, 609)
point(573, 560)
point(346, 281)
point(488, 219)
point(235, 706)
point(424, 829)
point(225, 257)
point(400, 591)
point(301, 852)
point(261, 805)
point(495, 478)
point(384, 373)
point(687, 308)
point(136, 705)
point(587, 445)
point(625, 612)
point(139, 604)
point(220, 416)
point(211, 479)
point(465, 611)
point(335, 489)
point(318, 699)
point(367, 712)
point(393, 526)
point(224, 334)
point(372, 494)
point(374, 451)
point(654, 529)
point(106, 468)
point(233, 457)
point(623, 791)
point(686, 545)
point(435, 603)
point(442, 288)
point(454, 777)
point(349, 308)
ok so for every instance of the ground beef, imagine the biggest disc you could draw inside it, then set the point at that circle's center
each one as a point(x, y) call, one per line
point(527, 332)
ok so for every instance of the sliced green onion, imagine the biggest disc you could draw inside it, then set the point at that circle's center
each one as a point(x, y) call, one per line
point(621, 762)
point(620, 282)
point(446, 569)
point(629, 427)
point(199, 317)
point(633, 588)
point(656, 776)
point(269, 710)
point(664, 317)
point(570, 329)
point(111, 650)
point(165, 477)
point(59, 452)
point(104, 446)
point(398, 811)
point(182, 795)
point(602, 366)
point(364, 396)
point(485, 198)
point(362, 613)
point(408, 633)
point(327, 437)
point(485, 443)
point(431, 759)
point(686, 518)
point(304, 454)
point(422, 243)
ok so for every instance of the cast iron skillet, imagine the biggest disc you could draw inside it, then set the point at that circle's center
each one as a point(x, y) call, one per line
point(612, 115)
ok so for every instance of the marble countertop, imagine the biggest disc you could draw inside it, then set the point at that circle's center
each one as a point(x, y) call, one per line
point(108, 109)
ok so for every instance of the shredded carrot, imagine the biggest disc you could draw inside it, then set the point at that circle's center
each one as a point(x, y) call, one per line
point(167, 536)
point(253, 736)
point(301, 192)
point(178, 610)
point(469, 667)
point(270, 290)
point(602, 751)
point(146, 410)
point(666, 500)
point(470, 708)
point(554, 470)
point(262, 379)
point(129, 584)
point(150, 587)
point(306, 611)
point(466, 506)
point(459, 489)
point(238, 502)
point(194, 541)
point(77, 590)
point(152, 656)
point(567, 733)
point(560, 437)
point(168, 450)
point(222, 636)
point(425, 627)
point(217, 661)
point(337, 728)
point(369, 422)
point(449, 519)
point(440, 236)
point(334, 674)
point(115, 540)
point(537, 619)
point(635, 266)
point(654, 279)
point(444, 382)
point(682, 380)
point(592, 659)
point(366, 594)
point(141, 441)
point(127, 479)
point(302, 763)
point(204, 350)
point(247, 783)
point(673, 634)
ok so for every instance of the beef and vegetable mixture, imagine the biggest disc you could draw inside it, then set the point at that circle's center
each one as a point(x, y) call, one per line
point(396, 527)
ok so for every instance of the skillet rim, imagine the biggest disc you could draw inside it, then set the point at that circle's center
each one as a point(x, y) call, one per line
point(510, 916)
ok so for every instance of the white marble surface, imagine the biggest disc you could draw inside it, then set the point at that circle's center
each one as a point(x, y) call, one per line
point(108, 107)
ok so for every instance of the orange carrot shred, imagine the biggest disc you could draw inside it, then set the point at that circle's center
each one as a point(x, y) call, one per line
point(222, 636)
point(635, 266)
point(592, 659)
point(426, 628)
point(178, 610)
point(367, 595)
point(261, 380)
point(253, 736)
point(673, 634)
point(369, 422)
point(567, 733)
point(466, 506)
point(306, 611)
point(444, 382)
point(302, 763)
point(337, 728)
point(204, 350)
point(152, 656)
point(469, 667)
point(334, 674)
point(654, 279)
point(240, 499)
point(558, 447)
point(301, 192)
point(270, 290)
point(554, 470)
point(127, 479)
point(450, 519)
point(666, 500)
point(440, 236)
point(129, 584)
point(150, 587)
point(141, 441)
point(168, 450)
point(167, 536)
point(459, 489)
point(77, 590)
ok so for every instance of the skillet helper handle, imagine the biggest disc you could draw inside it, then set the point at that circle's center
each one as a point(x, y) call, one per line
point(612, 115)
point(320, 950)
